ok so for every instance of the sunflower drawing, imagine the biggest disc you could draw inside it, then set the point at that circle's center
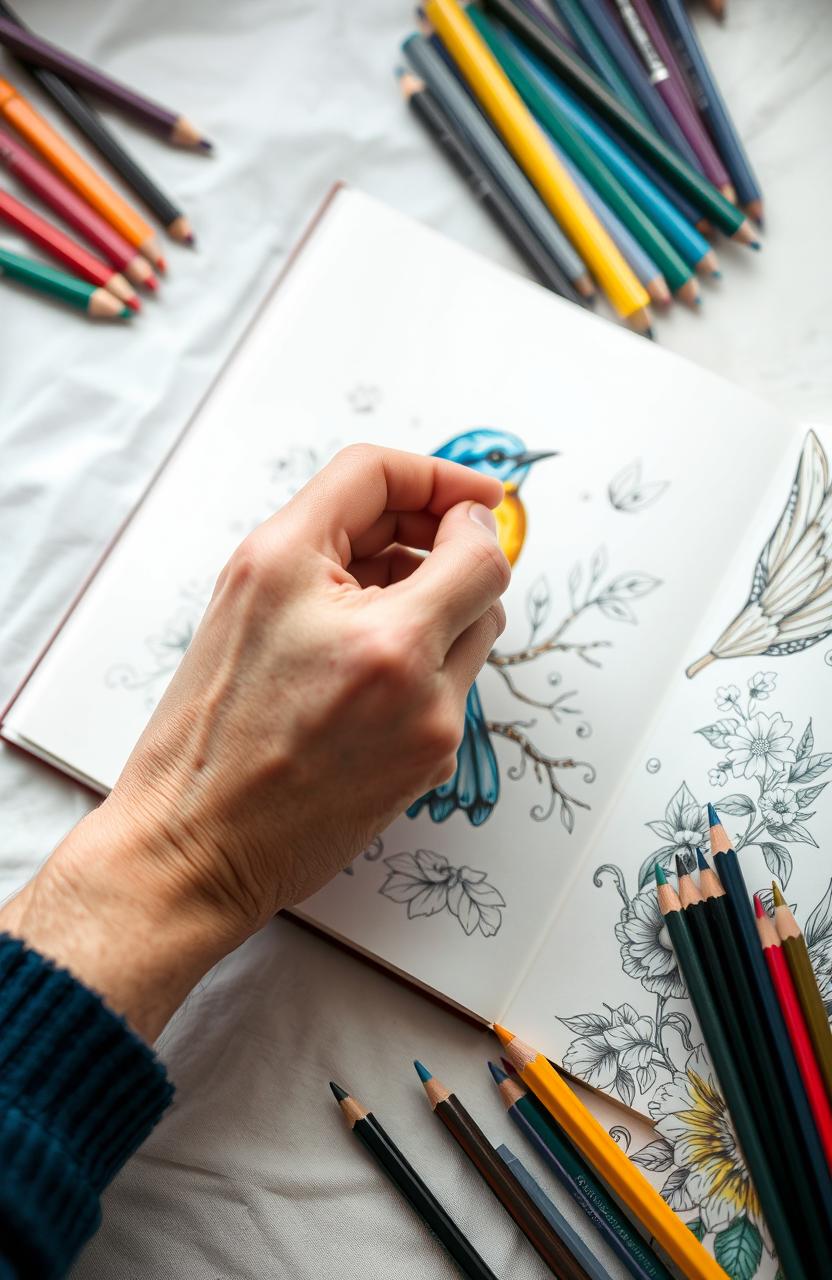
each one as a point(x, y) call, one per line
point(789, 607)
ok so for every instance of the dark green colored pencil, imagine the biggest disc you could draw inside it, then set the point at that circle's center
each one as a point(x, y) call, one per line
point(706, 913)
point(592, 90)
point(798, 1114)
point(732, 1087)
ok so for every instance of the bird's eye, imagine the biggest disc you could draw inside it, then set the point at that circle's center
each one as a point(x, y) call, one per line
point(496, 455)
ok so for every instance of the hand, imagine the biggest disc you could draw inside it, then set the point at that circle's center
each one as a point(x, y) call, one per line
point(323, 692)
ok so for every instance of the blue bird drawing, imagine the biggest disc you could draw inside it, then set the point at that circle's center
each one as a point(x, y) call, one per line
point(475, 787)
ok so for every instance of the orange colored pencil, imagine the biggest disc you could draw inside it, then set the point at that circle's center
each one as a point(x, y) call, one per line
point(796, 1025)
point(65, 159)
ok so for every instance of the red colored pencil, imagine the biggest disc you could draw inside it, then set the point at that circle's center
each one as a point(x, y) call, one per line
point(53, 191)
point(65, 250)
point(796, 1024)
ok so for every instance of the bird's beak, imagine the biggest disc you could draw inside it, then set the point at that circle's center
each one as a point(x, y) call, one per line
point(526, 459)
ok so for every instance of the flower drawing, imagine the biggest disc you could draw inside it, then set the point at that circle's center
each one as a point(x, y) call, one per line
point(789, 606)
point(759, 744)
point(683, 828)
point(613, 1051)
point(780, 806)
point(646, 950)
point(428, 884)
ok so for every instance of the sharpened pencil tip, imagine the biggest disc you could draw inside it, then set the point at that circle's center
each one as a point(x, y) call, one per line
point(716, 275)
point(777, 892)
point(126, 313)
point(713, 816)
point(504, 1037)
point(701, 861)
point(755, 245)
point(661, 878)
point(206, 146)
point(681, 867)
point(650, 335)
point(497, 1072)
point(759, 909)
point(422, 1071)
point(339, 1093)
point(134, 304)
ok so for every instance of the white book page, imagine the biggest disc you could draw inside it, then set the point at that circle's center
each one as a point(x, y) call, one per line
point(752, 733)
point(386, 332)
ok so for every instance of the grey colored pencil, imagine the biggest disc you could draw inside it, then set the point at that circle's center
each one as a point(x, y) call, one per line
point(457, 104)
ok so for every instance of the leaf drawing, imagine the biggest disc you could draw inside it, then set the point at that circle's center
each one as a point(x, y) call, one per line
point(628, 493)
point(789, 606)
point(427, 883)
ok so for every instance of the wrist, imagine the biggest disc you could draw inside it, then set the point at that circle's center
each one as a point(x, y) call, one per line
point(104, 907)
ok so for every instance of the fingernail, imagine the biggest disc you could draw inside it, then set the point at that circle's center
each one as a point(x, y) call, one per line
point(485, 517)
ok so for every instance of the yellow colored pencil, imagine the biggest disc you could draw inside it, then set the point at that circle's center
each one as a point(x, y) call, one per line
point(607, 1159)
point(528, 143)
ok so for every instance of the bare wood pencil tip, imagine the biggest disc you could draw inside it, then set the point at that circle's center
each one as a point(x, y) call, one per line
point(660, 294)
point(182, 231)
point(745, 234)
point(689, 293)
point(185, 134)
point(104, 305)
point(754, 209)
point(708, 264)
point(123, 290)
point(409, 83)
point(585, 285)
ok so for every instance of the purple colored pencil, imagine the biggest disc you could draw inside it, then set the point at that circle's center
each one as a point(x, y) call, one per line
point(666, 75)
point(31, 49)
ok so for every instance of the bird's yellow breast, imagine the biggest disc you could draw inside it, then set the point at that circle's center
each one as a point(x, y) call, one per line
point(511, 523)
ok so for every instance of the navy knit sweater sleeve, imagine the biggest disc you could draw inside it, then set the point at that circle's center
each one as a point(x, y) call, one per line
point(78, 1093)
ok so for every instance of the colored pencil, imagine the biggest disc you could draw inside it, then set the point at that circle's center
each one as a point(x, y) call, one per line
point(702, 193)
point(465, 1131)
point(89, 122)
point(527, 141)
point(689, 243)
point(577, 21)
point(96, 302)
point(40, 135)
point(400, 1171)
point(622, 1177)
point(638, 258)
point(717, 8)
point(53, 191)
point(706, 914)
point(795, 1022)
point(720, 1053)
point(712, 106)
point(587, 1190)
point(591, 1265)
point(470, 123)
point(34, 49)
point(650, 40)
point(799, 1113)
point(803, 976)
point(604, 15)
point(532, 84)
point(53, 241)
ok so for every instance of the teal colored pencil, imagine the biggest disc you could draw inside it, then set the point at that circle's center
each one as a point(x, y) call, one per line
point(689, 243)
point(59, 284)
point(596, 53)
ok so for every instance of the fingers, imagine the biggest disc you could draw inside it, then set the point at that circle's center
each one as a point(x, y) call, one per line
point(407, 528)
point(348, 496)
point(464, 575)
point(394, 564)
point(468, 653)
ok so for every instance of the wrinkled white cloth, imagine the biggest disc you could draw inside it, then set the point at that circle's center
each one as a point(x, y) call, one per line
point(253, 1174)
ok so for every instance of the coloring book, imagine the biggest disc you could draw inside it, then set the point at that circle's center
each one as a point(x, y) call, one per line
point(669, 641)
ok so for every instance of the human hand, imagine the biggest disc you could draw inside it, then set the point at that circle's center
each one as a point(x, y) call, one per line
point(322, 693)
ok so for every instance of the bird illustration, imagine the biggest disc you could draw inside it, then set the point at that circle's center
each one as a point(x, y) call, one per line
point(789, 606)
point(475, 786)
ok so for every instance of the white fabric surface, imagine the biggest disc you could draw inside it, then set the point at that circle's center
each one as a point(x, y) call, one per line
point(253, 1173)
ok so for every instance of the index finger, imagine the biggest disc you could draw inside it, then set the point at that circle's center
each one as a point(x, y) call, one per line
point(364, 481)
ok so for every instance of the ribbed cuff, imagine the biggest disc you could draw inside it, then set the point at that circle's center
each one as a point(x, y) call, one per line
point(79, 1092)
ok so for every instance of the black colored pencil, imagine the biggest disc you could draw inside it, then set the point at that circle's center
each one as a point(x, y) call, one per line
point(496, 203)
point(710, 927)
point(464, 1129)
point(723, 1057)
point(799, 1114)
point(594, 92)
point(400, 1171)
point(89, 122)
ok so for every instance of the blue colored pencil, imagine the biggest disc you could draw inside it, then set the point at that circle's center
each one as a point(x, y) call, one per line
point(711, 106)
point(638, 258)
point(688, 242)
point(591, 1265)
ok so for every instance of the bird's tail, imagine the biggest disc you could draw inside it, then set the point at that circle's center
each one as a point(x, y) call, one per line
point(475, 786)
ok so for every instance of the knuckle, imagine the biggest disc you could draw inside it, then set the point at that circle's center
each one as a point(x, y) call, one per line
point(444, 770)
point(248, 565)
point(441, 736)
point(358, 455)
point(492, 564)
point(388, 655)
point(496, 618)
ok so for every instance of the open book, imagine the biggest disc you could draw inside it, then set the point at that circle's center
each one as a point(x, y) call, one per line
point(669, 636)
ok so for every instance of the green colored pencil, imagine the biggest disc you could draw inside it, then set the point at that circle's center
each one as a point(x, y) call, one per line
point(803, 975)
point(596, 52)
point(59, 284)
point(592, 90)
point(678, 274)
point(729, 1079)
point(706, 914)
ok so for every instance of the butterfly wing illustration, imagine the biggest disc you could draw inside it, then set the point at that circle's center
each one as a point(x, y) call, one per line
point(475, 786)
